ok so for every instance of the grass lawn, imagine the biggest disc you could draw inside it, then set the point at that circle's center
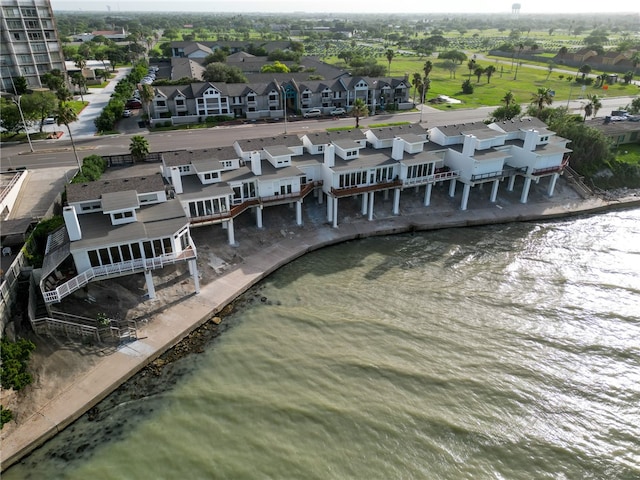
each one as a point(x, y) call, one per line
point(527, 82)
point(629, 153)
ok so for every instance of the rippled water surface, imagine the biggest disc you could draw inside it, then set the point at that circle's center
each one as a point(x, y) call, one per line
point(508, 352)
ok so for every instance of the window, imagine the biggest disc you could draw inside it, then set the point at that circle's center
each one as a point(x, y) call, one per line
point(149, 197)
point(161, 103)
point(17, 36)
point(35, 36)
point(251, 98)
point(227, 163)
point(32, 24)
point(14, 24)
point(179, 102)
point(121, 215)
point(29, 12)
point(273, 97)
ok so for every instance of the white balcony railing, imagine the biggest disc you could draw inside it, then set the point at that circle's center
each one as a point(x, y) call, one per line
point(116, 269)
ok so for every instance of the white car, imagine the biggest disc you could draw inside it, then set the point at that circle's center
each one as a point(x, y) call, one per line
point(49, 121)
point(338, 111)
point(313, 112)
point(126, 113)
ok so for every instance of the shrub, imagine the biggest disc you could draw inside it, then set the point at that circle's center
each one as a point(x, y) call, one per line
point(467, 87)
point(6, 416)
point(15, 357)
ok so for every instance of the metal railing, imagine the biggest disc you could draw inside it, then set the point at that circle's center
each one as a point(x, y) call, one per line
point(436, 177)
point(348, 191)
point(115, 269)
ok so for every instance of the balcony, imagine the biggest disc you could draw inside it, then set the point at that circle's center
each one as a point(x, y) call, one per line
point(350, 191)
point(116, 270)
point(439, 176)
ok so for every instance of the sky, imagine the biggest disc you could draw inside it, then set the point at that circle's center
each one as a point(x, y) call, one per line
point(342, 6)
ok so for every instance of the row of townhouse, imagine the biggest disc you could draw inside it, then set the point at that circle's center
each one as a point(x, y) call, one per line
point(116, 227)
point(196, 101)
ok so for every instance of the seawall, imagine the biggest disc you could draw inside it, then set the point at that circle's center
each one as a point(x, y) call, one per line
point(176, 322)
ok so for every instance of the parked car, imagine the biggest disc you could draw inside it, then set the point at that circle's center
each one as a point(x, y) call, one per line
point(133, 103)
point(49, 121)
point(338, 111)
point(313, 112)
point(126, 113)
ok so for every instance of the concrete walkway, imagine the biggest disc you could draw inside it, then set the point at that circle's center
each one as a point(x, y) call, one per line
point(96, 382)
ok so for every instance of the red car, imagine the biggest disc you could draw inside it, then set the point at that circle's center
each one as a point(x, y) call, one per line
point(133, 104)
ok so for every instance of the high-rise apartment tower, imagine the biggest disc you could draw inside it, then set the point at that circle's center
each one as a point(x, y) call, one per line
point(30, 45)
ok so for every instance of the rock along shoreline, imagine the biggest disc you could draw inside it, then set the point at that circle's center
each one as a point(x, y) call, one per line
point(174, 331)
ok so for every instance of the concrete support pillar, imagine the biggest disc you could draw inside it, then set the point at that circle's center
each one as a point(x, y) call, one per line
point(335, 213)
point(525, 190)
point(258, 210)
point(372, 196)
point(452, 188)
point(230, 233)
point(320, 197)
point(193, 269)
point(330, 201)
point(465, 196)
point(299, 212)
point(494, 191)
point(151, 289)
point(427, 194)
point(385, 195)
point(552, 184)
point(396, 201)
point(365, 196)
point(512, 181)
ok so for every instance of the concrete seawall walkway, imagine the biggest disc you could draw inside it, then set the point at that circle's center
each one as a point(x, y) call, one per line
point(96, 379)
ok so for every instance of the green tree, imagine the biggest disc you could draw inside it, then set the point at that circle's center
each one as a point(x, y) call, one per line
point(20, 86)
point(550, 66)
point(508, 98)
point(275, 67)
point(53, 80)
point(78, 80)
point(592, 106)
point(503, 113)
point(66, 115)
point(219, 72)
point(146, 95)
point(14, 357)
point(416, 81)
point(490, 70)
point(139, 148)
point(389, 54)
point(38, 105)
point(471, 65)
point(10, 118)
point(585, 70)
point(541, 98)
point(427, 67)
point(478, 72)
point(359, 109)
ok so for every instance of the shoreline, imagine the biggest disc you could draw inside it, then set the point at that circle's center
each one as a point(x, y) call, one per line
point(175, 323)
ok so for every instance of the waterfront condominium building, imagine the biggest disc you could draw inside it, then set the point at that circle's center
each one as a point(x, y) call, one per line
point(30, 46)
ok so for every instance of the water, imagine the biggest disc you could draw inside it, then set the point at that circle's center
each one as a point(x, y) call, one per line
point(507, 352)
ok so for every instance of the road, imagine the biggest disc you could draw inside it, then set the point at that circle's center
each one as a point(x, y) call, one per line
point(58, 153)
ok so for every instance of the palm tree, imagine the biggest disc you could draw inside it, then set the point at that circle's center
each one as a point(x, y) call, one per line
point(478, 72)
point(139, 148)
point(428, 66)
point(585, 70)
point(592, 106)
point(508, 98)
point(65, 116)
point(471, 65)
point(359, 109)
point(426, 84)
point(389, 54)
point(490, 70)
point(146, 95)
point(550, 65)
point(417, 84)
point(635, 61)
point(541, 98)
